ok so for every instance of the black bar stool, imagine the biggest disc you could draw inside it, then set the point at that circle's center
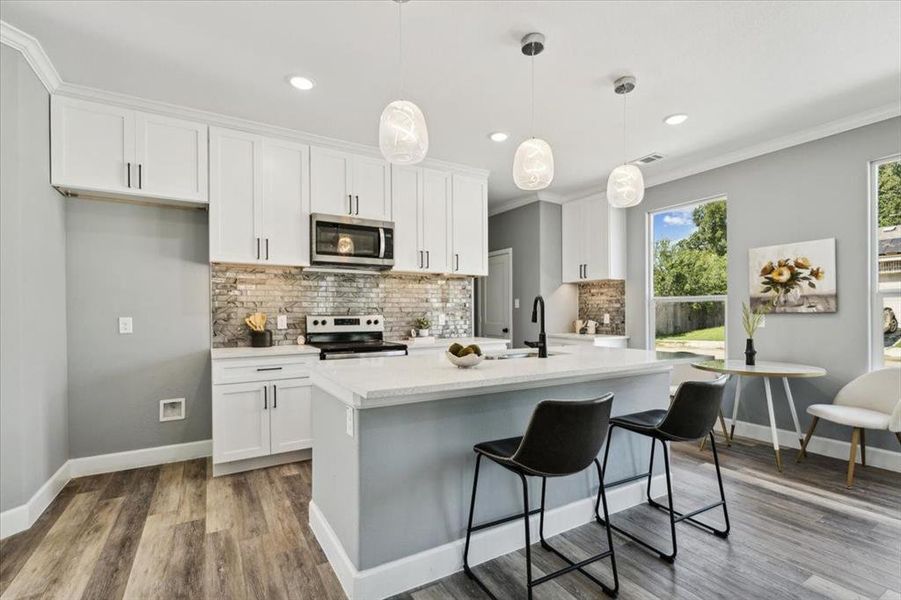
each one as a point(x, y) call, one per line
point(563, 438)
point(690, 417)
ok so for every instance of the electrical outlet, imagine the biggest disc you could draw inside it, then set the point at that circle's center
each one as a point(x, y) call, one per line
point(442, 319)
point(606, 318)
point(516, 303)
point(349, 420)
point(281, 322)
point(172, 409)
point(762, 323)
point(126, 325)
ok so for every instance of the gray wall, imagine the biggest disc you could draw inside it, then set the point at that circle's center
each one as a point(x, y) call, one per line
point(33, 423)
point(534, 233)
point(149, 263)
point(812, 191)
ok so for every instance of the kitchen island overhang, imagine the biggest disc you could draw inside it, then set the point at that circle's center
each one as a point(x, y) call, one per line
point(393, 459)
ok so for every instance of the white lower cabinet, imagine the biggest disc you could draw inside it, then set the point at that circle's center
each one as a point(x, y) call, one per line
point(260, 418)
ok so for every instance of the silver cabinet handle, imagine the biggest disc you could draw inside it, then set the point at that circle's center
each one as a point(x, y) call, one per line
point(428, 260)
point(269, 368)
point(258, 248)
point(421, 260)
point(265, 397)
point(267, 248)
point(274, 396)
point(581, 271)
point(350, 204)
point(586, 270)
point(128, 174)
point(140, 184)
point(457, 268)
point(358, 205)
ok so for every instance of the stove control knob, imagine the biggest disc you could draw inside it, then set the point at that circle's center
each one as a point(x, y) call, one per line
point(369, 321)
point(325, 321)
point(376, 321)
point(316, 322)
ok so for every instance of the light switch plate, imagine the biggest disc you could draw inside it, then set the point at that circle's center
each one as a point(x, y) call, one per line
point(126, 325)
point(606, 318)
point(442, 319)
point(349, 421)
point(516, 303)
point(762, 322)
point(281, 322)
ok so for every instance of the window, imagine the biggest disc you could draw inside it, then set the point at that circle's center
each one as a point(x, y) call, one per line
point(687, 298)
point(886, 194)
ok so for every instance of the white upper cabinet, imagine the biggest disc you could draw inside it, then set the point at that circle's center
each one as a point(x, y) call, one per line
point(594, 240)
point(342, 183)
point(172, 157)
point(406, 194)
point(435, 210)
point(469, 226)
point(259, 200)
point(108, 151)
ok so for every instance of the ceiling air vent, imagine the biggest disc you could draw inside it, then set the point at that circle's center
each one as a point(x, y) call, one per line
point(650, 158)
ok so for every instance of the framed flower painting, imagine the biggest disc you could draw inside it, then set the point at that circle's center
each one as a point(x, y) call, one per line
point(794, 278)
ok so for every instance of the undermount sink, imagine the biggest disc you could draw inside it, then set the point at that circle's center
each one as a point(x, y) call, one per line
point(517, 353)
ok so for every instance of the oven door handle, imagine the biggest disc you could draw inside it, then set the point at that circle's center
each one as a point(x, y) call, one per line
point(381, 242)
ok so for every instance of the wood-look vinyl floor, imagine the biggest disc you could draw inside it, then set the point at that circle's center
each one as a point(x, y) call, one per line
point(172, 531)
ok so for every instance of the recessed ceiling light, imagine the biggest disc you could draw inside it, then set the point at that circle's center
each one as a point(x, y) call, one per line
point(676, 119)
point(498, 136)
point(301, 83)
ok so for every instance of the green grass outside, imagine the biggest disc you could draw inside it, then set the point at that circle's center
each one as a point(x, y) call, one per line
point(711, 334)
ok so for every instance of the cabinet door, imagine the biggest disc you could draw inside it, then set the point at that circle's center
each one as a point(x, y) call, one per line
point(235, 186)
point(435, 211)
point(290, 419)
point(172, 157)
point(572, 241)
point(285, 211)
point(469, 226)
point(595, 222)
point(92, 146)
point(371, 188)
point(240, 421)
point(406, 190)
point(331, 182)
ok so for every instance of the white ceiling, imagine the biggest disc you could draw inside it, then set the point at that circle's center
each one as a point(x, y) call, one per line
point(745, 72)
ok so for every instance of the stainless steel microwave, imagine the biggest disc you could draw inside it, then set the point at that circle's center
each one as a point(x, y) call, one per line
point(344, 241)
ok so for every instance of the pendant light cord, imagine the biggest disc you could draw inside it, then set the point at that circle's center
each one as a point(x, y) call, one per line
point(400, 48)
point(624, 128)
point(532, 115)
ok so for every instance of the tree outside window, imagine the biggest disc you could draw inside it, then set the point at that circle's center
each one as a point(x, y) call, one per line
point(889, 260)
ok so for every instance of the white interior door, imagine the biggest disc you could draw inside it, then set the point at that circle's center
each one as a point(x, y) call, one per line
point(235, 188)
point(240, 421)
point(291, 419)
point(172, 157)
point(285, 212)
point(497, 296)
point(330, 181)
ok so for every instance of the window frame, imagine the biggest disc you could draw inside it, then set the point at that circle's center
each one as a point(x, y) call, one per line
point(876, 349)
point(651, 301)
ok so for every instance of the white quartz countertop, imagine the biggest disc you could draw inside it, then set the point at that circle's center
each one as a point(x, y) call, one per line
point(248, 352)
point(587, 336)
point(387, 381)
point(445, 342)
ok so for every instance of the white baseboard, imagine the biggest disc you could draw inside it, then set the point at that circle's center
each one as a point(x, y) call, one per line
point(22, 517)
point(261, 462)
point(876, 457)
point(419, 569)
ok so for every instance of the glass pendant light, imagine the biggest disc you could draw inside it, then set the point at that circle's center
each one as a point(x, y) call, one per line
point(625, 186)
point(403, 135)
point(533, 163)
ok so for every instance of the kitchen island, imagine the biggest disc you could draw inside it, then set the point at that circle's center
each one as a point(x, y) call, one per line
point(393, 459)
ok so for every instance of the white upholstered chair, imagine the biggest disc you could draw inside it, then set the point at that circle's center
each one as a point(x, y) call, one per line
point(872, 401)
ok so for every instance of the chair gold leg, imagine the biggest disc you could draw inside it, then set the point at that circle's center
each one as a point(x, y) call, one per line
point(702, 444)
point(863, 447)
point(898, 435)
point(855, 439)
point(778, 459)
point(803, 452)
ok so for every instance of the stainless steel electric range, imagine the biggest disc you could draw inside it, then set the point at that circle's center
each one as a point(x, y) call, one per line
point(343, 336)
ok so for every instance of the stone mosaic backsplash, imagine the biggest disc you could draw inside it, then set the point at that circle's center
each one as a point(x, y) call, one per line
point(239, 290)
point(607, 296)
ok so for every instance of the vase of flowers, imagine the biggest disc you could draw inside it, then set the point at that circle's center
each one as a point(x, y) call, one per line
point(786, 278)
point(751, 320)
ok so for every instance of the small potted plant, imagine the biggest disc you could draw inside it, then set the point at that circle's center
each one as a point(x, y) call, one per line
point(751, 320)
point(422, 325)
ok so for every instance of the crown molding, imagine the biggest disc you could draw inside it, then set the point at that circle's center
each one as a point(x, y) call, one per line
point(514, 203)
point(804, 136)
point(213, 119)
point(33, 53)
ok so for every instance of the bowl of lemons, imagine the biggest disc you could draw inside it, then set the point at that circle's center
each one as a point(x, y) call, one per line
point(464, 357)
